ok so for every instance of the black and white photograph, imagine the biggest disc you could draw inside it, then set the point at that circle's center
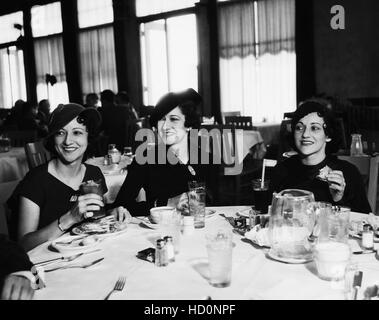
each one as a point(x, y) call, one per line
point(189, 155)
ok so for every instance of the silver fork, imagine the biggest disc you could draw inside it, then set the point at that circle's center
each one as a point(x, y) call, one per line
point(119, 285)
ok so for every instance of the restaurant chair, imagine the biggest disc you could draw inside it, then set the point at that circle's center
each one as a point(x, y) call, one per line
point(230, 114)
point(368, 167)
point(19, 138)
point(6, 190)
point(240, 122)
point(285, 134)
point(3, 220)
point(36, 154)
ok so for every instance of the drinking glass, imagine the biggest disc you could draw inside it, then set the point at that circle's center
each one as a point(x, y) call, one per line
point(219, 247)
point(170, 225)
point(335, 224)
point(196, 202)
point(5, 144)
point(261, 195)
point(93, 186)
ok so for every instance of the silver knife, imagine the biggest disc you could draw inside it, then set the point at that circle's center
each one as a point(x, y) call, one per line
point(357, 282)
point(63, 258)
point(365, 251)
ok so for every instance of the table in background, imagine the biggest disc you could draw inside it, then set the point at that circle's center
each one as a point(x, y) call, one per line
point(114, 176)
point(254, 276)
point(13, 164)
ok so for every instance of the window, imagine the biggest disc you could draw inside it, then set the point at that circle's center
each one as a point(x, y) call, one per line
point(7, 26)
point(12, 72)
point(257, 58)
point(149, 7)
point(48, 49)
point(46, 19)
point(97, 56)
point(169, 56)
point(12, 76)
point(94, 12)
point(96, 46)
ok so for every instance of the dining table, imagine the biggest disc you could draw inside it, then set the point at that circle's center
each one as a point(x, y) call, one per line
point(13, 164)
point(255, 275)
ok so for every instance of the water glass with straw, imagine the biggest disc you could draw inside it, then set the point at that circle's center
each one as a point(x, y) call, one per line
point(261, 191)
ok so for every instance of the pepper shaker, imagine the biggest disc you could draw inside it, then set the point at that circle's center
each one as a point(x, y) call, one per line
point(367, 237)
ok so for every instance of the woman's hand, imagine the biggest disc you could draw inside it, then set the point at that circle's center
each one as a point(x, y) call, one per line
point(179, 202)
point(16, 288)
point(121, 214)
point(337, 184)
point(85, 205)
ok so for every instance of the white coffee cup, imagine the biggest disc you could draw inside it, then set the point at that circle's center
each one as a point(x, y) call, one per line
point(161, 214)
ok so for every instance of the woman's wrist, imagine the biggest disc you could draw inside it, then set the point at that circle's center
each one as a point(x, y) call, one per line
point(65, 222)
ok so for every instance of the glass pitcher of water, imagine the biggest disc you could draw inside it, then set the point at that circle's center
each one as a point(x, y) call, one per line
point(291, 224)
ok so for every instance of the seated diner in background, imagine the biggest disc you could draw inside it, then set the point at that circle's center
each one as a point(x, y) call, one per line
point(316, 136)
point(175, 114)
point(47, 202)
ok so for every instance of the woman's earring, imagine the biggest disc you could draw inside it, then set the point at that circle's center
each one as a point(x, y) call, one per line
point(328, 140)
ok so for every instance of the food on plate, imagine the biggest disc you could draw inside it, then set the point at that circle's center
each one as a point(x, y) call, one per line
point(88, 241)
point(323, 173)
point(105, 225)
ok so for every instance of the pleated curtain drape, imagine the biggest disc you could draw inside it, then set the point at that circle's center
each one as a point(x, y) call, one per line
point(97, 58)
point(257, 58)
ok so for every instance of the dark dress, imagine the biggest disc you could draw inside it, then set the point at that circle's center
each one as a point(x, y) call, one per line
point(162, 182)
point(13, 258)
point(292, 174)
point(52, 196)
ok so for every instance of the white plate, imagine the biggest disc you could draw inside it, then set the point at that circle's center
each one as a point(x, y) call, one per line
point(209, 213)
point(287, 260)
point(78, 245)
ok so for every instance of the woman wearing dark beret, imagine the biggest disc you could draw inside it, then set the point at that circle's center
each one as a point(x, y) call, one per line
point(47, 202)
point(316, 135)
point(175, 114)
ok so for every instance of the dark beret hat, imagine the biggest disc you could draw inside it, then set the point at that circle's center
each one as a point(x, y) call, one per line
point(171, 100)
point(65, 113)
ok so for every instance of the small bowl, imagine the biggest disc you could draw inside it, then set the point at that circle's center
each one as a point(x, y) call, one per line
point(158, 214)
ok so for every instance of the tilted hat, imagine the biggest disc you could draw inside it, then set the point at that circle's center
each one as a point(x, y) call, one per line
point(171, 100)
point(65, 113)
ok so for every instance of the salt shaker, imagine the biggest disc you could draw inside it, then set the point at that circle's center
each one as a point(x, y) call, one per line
point(367, 237)
point(169, 248)
point(161, 259)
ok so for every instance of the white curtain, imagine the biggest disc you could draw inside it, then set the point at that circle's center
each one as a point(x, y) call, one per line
point(257, 58)
point(12, 76)
point(50, 59)
point(98, 63)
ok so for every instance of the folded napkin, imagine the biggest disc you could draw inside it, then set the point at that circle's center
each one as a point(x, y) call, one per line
point(259, 236)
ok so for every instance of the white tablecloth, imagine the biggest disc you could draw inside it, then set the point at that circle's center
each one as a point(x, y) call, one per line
point(254, 276)
point(13, 165)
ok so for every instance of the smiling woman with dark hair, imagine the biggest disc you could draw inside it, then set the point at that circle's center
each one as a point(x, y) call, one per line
point(175, 114)
point(316, 136)
point(47, 200)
